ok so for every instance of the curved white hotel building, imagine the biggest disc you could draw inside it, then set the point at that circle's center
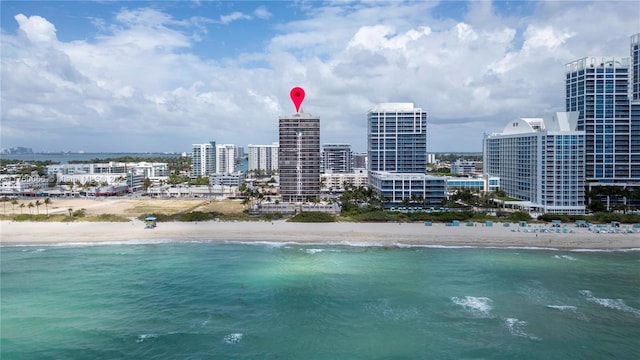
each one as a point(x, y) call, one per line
point(540, 162)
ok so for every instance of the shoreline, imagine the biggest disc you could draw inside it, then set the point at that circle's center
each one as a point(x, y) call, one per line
point(282, 232)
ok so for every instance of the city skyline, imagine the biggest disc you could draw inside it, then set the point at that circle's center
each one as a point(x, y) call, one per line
point(159, 76)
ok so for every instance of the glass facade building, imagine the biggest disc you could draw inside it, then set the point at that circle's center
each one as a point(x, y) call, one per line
point(393, 188)
point(397, 138)
point(598, 88)
point(635, 70)
point(540, 162)
point(397, 155)
point(299, 157)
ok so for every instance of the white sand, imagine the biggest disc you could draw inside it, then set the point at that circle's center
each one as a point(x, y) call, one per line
point(32, 233)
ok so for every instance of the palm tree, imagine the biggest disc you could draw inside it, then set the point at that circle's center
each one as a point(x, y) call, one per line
point(30, 207)
point(38, 203)
point(14, 202)
point(47, 202)
point(4, 204)
point(70, 212)
point(21, 207)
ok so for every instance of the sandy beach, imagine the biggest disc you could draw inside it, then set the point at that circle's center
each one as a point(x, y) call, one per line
point(386, 234)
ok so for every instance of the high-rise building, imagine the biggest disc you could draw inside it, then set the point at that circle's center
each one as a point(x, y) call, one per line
point(597, 88)
point(397, 155)
point(360, 160)
point(397, 138)
point(226, 159)
point(263, 157)
point(203, 159)
point(606, 92)
point(299, 157)
point(337, 159)
point(635, 70)
point(540, 162)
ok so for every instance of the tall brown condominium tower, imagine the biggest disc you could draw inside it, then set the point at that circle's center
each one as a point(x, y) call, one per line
point(299, 157)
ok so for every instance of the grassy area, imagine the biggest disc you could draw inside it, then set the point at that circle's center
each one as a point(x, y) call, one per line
point(163, 207)
point(67, 218)
point(313, 217)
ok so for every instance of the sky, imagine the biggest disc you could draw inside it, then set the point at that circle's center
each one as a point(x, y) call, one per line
point(137, 76)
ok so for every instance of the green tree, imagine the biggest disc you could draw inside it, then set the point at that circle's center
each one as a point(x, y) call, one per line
point(14, 202)
point(21, 207)
point(4, 204)
point(30, 207)
point(47, 202)
point(38, 203)
point(146, 183)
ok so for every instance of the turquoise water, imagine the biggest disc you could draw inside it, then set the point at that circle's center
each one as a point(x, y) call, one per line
point(212, 301)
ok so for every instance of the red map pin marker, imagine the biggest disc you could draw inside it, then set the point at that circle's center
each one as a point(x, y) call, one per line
point(297, 95)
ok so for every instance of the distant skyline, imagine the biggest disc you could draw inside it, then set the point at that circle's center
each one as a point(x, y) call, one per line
point(159, 76)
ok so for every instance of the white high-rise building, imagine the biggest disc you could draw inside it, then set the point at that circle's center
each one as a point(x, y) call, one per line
point(540, 162)
point(226, 159)
point(203, 159)
point(336, 158)
point(263, 157)
point(397, 138)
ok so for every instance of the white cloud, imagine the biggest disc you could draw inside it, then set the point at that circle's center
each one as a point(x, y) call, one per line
point(37, 29)
point(262, 13)
point(546, 37)
point(236, 15)
point(141, 85)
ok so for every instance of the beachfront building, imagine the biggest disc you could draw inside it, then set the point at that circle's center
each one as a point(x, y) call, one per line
point(226, 155)
point(397, 138)
point(540, 162)
point(397, 153)
point(22, 185)
point(479, 183)
point(110, 174)
point(635, 67)
point(395, 189)
point(299, 157)
point(203, 159)
point(263, 158)
point(606, 93)
point(597, 88)
point(336, 158)
point(333, 183)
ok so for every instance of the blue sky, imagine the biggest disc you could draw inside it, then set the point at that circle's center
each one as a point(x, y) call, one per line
point(160, 76)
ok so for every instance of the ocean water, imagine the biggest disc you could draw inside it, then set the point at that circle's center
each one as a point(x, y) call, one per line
point(266, 301)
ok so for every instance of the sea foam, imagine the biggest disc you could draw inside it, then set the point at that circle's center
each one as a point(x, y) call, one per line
point(233, 338)
point(144, 337)
point(565, 257)
point(479, 306)
point(616, 304)
point(516, 328)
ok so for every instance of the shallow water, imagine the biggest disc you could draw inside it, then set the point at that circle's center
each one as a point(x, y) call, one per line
point(203, 300)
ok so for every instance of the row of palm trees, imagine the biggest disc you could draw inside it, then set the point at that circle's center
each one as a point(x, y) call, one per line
point(46, 202)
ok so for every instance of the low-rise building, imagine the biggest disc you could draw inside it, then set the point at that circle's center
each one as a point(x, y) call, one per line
point(463, 167)
point(337, 182)
point(394, 188)
point(225, 179)
point(485, 183)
